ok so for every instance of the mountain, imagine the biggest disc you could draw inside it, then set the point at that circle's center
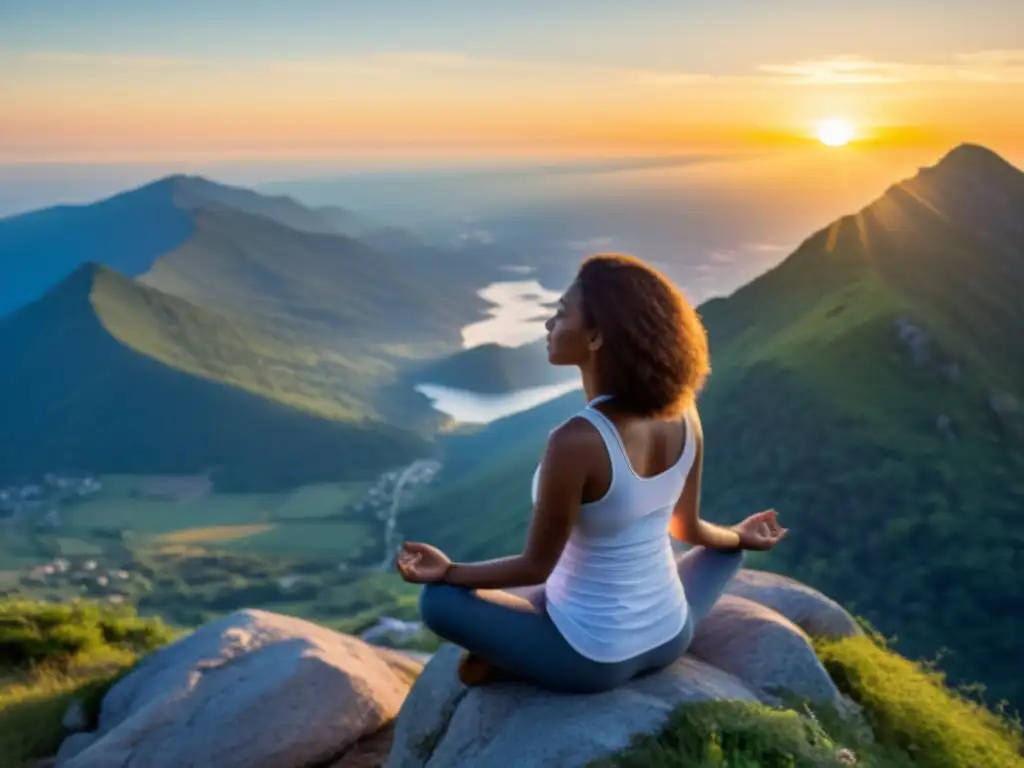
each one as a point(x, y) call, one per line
point(331, 288)
point(492, 369)
point(195, 192)
point(217, 295)
point(107, 375)
point(329, 320)
point(126, 232)
point(181, 216)
point(869, 388)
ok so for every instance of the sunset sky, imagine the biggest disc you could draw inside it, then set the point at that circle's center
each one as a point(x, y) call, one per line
point(113, 80)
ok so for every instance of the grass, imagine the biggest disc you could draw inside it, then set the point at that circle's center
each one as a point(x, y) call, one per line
point(910, 708)
point(343, 539)
point(726, 734)
point(214, 534)
point(223, 347)
point(310, 519)
point(911, 718)
point(74, 547)
point(318, 500)
point(53, 654)
point(111, 512)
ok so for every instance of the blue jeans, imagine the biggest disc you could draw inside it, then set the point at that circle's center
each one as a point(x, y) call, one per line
point(516, 635)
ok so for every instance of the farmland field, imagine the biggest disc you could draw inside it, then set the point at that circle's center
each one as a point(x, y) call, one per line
point(175, 547)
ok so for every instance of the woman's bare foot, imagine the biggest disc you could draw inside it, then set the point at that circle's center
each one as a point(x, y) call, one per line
point(474, 670)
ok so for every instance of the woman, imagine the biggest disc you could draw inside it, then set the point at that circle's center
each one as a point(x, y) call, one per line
point(612, 603)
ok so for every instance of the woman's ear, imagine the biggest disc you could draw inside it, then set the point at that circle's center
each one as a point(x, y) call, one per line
point(595, 341)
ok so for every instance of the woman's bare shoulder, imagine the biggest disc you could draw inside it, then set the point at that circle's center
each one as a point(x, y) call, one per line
point(576, 442)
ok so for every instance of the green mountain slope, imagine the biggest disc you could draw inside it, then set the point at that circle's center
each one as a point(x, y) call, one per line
point(294, 265)
point(106, 375)
point(331, 289)
point(869, 388)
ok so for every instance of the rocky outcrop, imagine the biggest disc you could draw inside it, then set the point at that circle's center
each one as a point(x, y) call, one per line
point(813, 612)
point(260, 689)
point(250, 689)
point(754, 646)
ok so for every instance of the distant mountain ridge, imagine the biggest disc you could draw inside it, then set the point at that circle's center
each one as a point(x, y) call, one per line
point(126, 232)
point(869, 387)
point(194, 192)
point(131, 230)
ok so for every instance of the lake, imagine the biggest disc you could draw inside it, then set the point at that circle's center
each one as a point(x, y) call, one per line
point(477, 408)
point(517, 316)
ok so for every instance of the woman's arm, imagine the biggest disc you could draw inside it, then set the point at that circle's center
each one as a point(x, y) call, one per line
point(686, 524)
point(559, 494)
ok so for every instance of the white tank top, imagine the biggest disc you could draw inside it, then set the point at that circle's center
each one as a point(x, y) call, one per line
point(615, 592)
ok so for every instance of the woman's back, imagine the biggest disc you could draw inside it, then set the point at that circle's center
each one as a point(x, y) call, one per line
point(615, 592)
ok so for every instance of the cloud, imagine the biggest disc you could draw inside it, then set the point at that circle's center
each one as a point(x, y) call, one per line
point(994, 66)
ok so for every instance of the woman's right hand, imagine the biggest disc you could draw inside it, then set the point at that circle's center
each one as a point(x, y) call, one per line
point(760, 531)
point(420, 563)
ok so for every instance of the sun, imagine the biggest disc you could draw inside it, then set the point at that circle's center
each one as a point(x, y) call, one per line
point(835, 132)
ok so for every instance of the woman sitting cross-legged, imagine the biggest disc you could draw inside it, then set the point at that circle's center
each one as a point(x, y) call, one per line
point(610, 601)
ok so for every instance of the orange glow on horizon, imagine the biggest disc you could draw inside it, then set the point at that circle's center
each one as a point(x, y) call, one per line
point(83, 109)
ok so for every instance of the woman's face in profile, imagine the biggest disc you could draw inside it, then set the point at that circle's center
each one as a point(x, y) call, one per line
point(570, 342)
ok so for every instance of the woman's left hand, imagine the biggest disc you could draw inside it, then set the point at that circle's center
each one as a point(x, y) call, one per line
point(421, 563)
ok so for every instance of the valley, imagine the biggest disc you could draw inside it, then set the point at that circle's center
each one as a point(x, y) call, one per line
point(175, 547)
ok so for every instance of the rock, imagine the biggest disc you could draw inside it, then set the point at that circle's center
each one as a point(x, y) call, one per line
point(250, 689)
point(370, 751)
point(427, 709)
point(748, 649)
point(813, 612)
point(74, 718)
point(762, 648)
point(449, 725)
point(74, 745)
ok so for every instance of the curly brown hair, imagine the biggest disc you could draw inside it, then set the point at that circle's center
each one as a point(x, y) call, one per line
point(654, 354)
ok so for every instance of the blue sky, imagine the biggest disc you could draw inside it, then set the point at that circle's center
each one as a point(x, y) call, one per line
point(722, 37)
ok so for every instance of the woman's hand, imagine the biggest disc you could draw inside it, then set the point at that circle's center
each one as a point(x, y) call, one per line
point(760, 531)
point(421, 563)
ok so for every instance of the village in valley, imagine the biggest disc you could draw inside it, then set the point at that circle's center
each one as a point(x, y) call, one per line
point(69, 552)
